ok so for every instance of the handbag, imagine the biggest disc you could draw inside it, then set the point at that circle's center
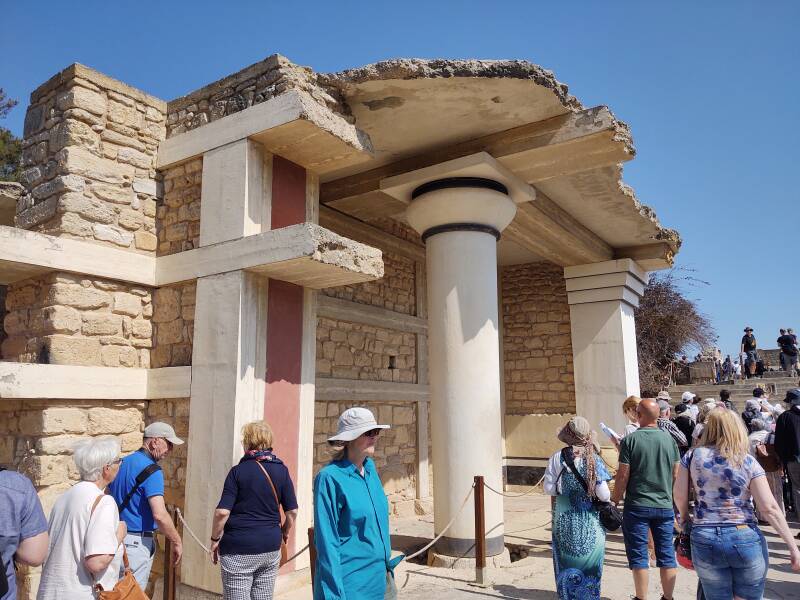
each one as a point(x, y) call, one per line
point(683, 542)
point(127, 588)
point(610, 516)
point(284, 547)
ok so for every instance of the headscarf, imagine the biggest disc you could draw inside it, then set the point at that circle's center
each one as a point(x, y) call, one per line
point(577, 433)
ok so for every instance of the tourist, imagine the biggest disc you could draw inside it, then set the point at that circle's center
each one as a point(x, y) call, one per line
point(648, 461)
point(629, 410)
point(706, 407)
point(139, 492)
point(725, 398)
point(246, 533)
point(727, 367)
point(729, 551)
point(749, 349)
point(762, 448)
point(684, 423)
point(737, 369)
point(787, 343)
point(351, 516)
point(664, 424)
point(579, 540)
point(85, 531)
point(689, 399)
point(752, 408)
point(23, 529)
point(787, 444)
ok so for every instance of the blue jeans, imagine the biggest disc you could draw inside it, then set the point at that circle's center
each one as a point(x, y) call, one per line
point(141, 550)
point(636, 522)
point(730, 560)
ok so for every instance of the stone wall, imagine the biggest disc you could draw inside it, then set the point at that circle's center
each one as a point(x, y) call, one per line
point(355, 351)
point(178, 213)
point(252, 85)
point(61, 318)
point(396, 451)
point(173, 324)
point(537, 346)
point(37, 438)
point(88, 158)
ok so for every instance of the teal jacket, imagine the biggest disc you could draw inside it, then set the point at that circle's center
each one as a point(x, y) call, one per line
point(351, 533)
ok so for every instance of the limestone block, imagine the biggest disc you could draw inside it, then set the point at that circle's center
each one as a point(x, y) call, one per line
point(402, 415)
point(57, 185)
point(74, 160)
point(73, 224)
point(68, 350)
point(169, 333)
point(109, 233)
point(92, 210)
point(134, 157)
point(117, 355)
point(343, 357)
point(48, 497)
point(141, 328)
point(79, 97)
point(77, 296)
point(166, 305)
point(145, 186)
point(131, 441)
point(124, 114)
point(73, 133)
point(113, 193)
point(103, 421)
point(121, 139)
point(55, 420)
point(101, 323)
point(7, 444)
point(127, 304)
point(57, 444)
point(130, 219)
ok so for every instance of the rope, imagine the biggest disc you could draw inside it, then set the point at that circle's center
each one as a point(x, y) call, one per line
point(446, 527)
point(189, 529)
point(507, 495)
point(208, 550)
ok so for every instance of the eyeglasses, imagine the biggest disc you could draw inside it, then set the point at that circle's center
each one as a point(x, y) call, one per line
point(372, 433)
point(116, 461)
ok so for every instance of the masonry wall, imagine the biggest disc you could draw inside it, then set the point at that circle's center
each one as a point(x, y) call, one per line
point(537, 347)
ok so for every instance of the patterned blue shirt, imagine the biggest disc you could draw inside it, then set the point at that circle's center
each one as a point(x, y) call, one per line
point(351, 533)
point(722, 489)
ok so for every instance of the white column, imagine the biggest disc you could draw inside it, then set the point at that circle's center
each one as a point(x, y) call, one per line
point(602, 298)
point(460, 223)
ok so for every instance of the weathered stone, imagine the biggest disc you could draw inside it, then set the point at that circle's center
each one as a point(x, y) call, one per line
point(69, 350)
point(141, 328)
point(59, 420)
point(101, 323)
point(166, 305)
point(73, 133)
point(92, 210)
point(109, 233)
point(103, 421)
point(79, 97)
point(47, 470)
point(122, 140)
point(74, 160)
point(124, 114)
point(145, 240)
point(113, 193)
point(169, 333)
point(76, 296)
point(145, 186)
point(84, 116)
point(129, 219)
point(135, 158)
point(57, 444)
point(57, 185)
point(127, 304)
point(61, 319)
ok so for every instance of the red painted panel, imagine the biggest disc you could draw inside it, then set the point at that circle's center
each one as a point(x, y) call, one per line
point(288, 193)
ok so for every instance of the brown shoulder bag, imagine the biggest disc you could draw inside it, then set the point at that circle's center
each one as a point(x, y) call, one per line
point(126, 588)
point(284, 547)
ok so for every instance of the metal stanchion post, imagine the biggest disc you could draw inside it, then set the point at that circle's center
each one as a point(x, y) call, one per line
point(480, 533)
point(312, 554)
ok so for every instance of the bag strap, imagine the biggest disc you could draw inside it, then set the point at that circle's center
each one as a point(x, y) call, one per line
point(272, 485)
point(140, 479)
point(566, 456)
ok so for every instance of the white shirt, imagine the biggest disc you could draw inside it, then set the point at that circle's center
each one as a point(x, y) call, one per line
point(694, 411)
point(552, 480)
point(73, 537)
point(629, 429)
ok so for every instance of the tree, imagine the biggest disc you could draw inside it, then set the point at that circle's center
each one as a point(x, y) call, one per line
point(668, 324)
point(10, 145)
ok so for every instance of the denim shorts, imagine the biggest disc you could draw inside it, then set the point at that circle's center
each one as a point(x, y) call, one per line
point(730, 560)
point(636, 522)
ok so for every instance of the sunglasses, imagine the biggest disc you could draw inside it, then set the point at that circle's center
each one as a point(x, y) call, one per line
point(372, 433)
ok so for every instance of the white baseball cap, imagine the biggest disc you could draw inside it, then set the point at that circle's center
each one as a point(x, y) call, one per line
point(663, 395)
point(687, 396)
point(353, 423)
point(162, 430)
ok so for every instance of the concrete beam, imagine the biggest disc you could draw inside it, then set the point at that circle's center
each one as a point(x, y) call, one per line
point(304, 254)
point(351, 390)
point(33, 381)
point(535, 151)
point(292, 125)
point(25, 254)
point(355, 312)
point(651, 257)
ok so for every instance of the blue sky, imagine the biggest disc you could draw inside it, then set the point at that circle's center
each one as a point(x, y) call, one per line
point(710, 90)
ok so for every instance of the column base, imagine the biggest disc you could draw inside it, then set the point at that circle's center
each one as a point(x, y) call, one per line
point(465, 548)
point(468, 562)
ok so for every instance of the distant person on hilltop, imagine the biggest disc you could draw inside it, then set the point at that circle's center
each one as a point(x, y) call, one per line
point(749, 349)
point(787, 343)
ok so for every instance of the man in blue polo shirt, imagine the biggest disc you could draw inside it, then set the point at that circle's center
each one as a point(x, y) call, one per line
point(139, 492)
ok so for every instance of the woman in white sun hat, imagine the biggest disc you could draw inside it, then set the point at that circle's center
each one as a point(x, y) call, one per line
point(351, 517)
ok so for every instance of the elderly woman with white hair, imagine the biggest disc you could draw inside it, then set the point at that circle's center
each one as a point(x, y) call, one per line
point(85, 531)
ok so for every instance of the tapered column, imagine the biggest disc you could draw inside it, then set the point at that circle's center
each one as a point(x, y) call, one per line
point(460, 220)
point(602, 298)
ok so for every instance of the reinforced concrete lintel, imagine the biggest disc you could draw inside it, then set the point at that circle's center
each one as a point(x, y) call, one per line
point(35, 381)
point(304, 254)
point(292, 125)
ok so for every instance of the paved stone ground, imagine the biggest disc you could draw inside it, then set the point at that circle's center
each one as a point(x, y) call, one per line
point(531, 578)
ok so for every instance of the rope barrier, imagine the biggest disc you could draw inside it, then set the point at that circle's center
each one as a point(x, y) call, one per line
point(507, 495)
point(446, 527)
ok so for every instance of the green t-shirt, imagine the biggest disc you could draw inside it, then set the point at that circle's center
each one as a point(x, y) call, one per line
point(651, 455)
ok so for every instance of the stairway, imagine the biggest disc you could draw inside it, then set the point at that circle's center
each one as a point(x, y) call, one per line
point(740, 390)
